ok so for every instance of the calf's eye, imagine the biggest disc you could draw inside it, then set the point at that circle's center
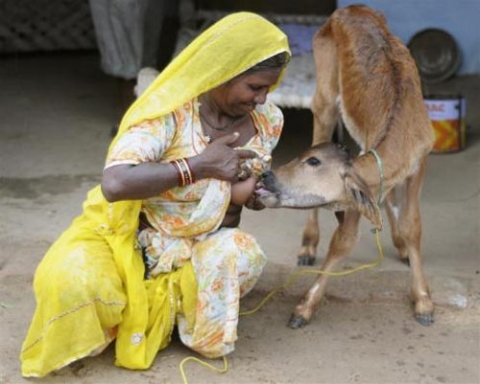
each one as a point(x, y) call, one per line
point(313, 161)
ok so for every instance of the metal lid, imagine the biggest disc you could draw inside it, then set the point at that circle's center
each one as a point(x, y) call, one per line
point(436, 54)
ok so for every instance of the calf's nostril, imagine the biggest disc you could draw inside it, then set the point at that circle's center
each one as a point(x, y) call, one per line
point(265, 175)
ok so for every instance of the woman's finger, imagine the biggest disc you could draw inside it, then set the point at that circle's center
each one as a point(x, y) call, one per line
point(245, 154)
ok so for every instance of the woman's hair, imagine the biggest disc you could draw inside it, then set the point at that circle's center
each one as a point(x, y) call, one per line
point(275, 62)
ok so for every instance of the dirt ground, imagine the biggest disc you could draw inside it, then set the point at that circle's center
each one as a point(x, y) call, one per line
point(57, 110)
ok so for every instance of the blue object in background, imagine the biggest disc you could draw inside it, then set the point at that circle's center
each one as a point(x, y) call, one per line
point(299, 37)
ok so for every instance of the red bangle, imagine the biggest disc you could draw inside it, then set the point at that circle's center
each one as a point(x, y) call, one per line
point(181, 180)
point(185, 174)
point(187, 171)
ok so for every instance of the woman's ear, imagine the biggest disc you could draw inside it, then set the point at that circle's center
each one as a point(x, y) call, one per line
point(359, 195)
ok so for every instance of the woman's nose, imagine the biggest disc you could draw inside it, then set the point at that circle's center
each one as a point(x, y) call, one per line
point(261, 97)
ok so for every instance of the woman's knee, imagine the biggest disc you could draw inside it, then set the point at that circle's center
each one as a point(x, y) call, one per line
point(84, 271)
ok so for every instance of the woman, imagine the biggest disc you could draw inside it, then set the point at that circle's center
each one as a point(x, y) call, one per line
point(185, 160)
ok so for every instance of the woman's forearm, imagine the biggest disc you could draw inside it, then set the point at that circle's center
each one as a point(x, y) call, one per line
point(135, 182)
point(145, 180)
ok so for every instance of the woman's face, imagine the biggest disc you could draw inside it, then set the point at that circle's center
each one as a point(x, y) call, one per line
point(240, 95)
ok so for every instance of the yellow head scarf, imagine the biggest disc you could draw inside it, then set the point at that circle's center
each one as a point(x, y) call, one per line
point(231, 46)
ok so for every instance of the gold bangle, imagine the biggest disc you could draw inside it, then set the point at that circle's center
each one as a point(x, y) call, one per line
point(181, 177)
point(185, 174)
point(189, 177)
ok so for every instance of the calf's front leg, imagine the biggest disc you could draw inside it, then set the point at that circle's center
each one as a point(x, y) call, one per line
point(342, 242)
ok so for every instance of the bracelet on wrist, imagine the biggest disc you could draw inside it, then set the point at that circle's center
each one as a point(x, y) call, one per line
point(184, 171)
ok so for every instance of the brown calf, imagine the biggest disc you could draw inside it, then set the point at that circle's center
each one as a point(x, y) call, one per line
point(367, 79)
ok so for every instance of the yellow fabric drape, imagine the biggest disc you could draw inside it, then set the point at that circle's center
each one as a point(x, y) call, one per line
point(225, 50)
point(228, 48)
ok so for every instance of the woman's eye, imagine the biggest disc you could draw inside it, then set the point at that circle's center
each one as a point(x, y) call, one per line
point(313, 161)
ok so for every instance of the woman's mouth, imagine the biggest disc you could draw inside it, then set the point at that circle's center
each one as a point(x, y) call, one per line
point(250, 107)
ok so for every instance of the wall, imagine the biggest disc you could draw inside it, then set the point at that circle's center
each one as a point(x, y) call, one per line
point(460, 18)
point(299, 7)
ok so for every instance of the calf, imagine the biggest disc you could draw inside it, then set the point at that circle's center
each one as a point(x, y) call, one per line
point(367, 79)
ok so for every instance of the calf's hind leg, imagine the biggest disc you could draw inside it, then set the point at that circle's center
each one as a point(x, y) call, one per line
point(310, 239)
point(410, 228)
point(392, 206)
point(407, 237)
point(342, 242)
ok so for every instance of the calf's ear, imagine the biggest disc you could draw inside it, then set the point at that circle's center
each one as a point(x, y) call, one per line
point(361, 198)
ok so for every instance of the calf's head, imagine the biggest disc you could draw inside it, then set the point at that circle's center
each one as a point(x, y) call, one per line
point(322, 176)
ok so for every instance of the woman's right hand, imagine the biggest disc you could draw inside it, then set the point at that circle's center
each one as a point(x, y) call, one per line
point(220, 160)
point(133, 182)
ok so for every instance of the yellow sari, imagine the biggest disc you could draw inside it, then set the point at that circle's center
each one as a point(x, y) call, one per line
point(102, 240)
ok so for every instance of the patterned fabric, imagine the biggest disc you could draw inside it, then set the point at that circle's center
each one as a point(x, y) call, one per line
point(227, 262)
point(183, 215)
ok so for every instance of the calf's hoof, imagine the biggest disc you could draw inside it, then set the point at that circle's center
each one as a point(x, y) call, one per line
point(305, 260)
point(405, 261)
point(424, 310)
point(425, 319)
point(297, 321)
